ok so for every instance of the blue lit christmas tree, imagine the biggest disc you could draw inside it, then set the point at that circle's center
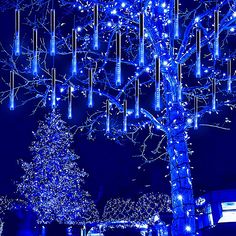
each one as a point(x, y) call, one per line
point(5, 205)
point(52, 182)
point(153, 66)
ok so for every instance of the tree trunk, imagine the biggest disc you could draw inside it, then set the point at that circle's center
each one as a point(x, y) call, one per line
point(181, 184)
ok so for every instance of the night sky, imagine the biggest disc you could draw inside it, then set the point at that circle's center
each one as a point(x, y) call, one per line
point(113, 169)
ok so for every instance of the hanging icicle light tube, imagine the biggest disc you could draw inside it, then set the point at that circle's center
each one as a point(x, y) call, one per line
point(107, 116)
point(214, 94)
point(141, 39)
point(53, 88)
point(35, 52)
point(95, 34)
point(118, 58)
point(137, 112)
point(74, 52)
point(53, 32)
point(17, 33)
point(179, 82)
point(176, 19)
point(198, 53)
point(70, 102)
point(125, 116)
point(90, 89)
point(229, 75)
point(195, 113)
point(217, 34)
point(12, 94)
point(157, 84)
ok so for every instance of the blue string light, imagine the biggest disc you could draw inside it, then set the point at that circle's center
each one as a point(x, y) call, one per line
point(17, 33)
point(53, 33)
point(161, 33)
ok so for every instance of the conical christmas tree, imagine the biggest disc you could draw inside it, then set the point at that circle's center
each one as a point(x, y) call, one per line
point(52, 181)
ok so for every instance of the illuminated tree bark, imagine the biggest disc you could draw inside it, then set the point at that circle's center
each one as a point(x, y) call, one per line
point(181, 185)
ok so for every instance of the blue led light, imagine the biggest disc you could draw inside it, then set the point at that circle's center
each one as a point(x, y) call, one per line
point(35, 64)
point(69, 111)
point(196, 121)
point(44, 233)
point(53, 100)
point(17, 44)
point(176, 27)
point(198, 66)
point(17, 33)
point(53, 45)
point(12, 101)
point(125, 116)
point(188, 228)
point(180, 92)
point(90, 98)
point(137, 111)
point(214, 102)
point(95, 38)
point(107, 116)
point(163, 25)
point(11, 95)
point(118, 72)
point(157, 99)
point(125, 124)
point(74, 64)
point(141, 52)
point(107, 124)
point(229, 84)
point(216, 47)
point(70, 95)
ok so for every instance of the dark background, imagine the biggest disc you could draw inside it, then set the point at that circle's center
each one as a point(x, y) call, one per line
point(112, 168)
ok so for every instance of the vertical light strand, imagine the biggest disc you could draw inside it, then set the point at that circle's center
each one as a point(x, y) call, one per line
point(198, 53)
point(95, 34)
point(141, 39)
point(125, 116)
point(229, 75)
point(44, 233)
point(214, 94)
point(53, 32)
point(217, 34)
point(90, 88)
point(136, 98)
point(81, 232)
point(118, 58)
point(53, 88)
point(17, 33)
point(195, 113)
point(84, 230)
point(70, 102)
point(157, 84)
point(12, 87)
point(74, 52)
point(35, 52)
point(107, 116)
point(176, 19)
point(179, 82)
